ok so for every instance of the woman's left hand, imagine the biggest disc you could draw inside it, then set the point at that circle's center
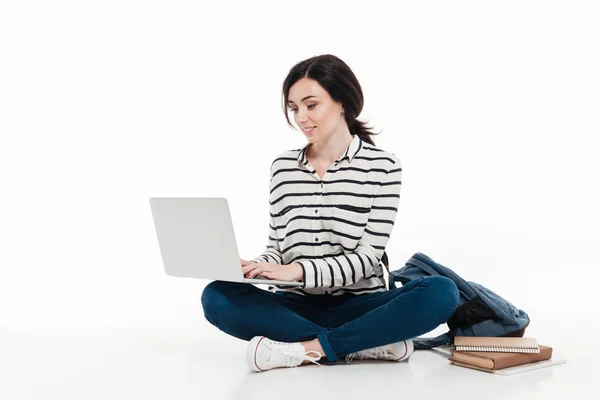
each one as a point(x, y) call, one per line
point(287, 273)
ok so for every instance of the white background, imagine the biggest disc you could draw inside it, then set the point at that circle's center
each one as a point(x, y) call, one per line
point(492, 108)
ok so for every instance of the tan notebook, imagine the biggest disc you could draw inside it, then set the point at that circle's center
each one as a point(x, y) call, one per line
point(516, 369)
point(496, 344)
point(496, 360)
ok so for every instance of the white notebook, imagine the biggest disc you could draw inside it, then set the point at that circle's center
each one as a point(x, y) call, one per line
point(530, 367)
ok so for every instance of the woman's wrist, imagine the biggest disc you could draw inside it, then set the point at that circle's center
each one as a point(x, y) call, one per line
point(299, 270)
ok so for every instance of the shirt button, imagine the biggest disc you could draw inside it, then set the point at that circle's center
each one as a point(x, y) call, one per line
point(316, 211)
point(316, 239)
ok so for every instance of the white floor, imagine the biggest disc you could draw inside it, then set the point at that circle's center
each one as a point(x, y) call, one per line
point(193, 360)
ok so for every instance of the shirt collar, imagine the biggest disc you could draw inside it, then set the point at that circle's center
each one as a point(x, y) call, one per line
point(350, 153)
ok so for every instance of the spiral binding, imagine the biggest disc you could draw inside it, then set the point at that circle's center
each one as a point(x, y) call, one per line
point(502, 349)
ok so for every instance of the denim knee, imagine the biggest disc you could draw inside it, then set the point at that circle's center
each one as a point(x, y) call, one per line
point(446, 295)
point(214, 298)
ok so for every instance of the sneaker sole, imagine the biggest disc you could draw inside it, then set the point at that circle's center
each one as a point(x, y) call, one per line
point(251, 354)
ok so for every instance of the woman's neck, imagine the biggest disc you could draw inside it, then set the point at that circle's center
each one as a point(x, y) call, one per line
point(330, 151)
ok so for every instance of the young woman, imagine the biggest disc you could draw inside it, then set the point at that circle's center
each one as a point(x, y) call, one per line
point(333, 204)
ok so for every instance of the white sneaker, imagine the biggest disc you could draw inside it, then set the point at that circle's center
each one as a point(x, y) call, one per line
point(264, 353)
point(399, 351)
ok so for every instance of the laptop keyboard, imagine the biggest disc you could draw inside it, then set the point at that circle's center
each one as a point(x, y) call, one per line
point(261, 277)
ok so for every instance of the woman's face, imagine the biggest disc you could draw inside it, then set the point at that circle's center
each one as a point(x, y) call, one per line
point(313, 107)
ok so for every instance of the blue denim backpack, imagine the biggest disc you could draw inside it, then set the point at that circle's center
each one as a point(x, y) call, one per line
point(480, 311)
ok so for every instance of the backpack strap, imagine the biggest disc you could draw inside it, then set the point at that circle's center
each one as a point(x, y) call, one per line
point(384, 260)
point(429, 343)
point(427, 268)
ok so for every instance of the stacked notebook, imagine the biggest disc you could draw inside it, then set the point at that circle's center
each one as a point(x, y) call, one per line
point(501, 355)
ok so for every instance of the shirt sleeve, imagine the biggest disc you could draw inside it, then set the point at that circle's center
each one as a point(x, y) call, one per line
point(347, 269)
point(272, 252)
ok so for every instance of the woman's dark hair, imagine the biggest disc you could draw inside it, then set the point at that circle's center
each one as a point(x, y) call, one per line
point(336, 77)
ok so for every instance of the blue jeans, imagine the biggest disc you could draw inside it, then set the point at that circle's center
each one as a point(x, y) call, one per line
point(343, 324)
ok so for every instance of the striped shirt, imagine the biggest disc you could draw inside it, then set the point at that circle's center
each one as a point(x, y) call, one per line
point(336, 227)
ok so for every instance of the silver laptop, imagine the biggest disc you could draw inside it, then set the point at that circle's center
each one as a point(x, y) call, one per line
point(196, 239)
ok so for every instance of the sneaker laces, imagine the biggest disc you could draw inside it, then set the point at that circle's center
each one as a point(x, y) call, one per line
point(375, 352)
point(290, 355)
